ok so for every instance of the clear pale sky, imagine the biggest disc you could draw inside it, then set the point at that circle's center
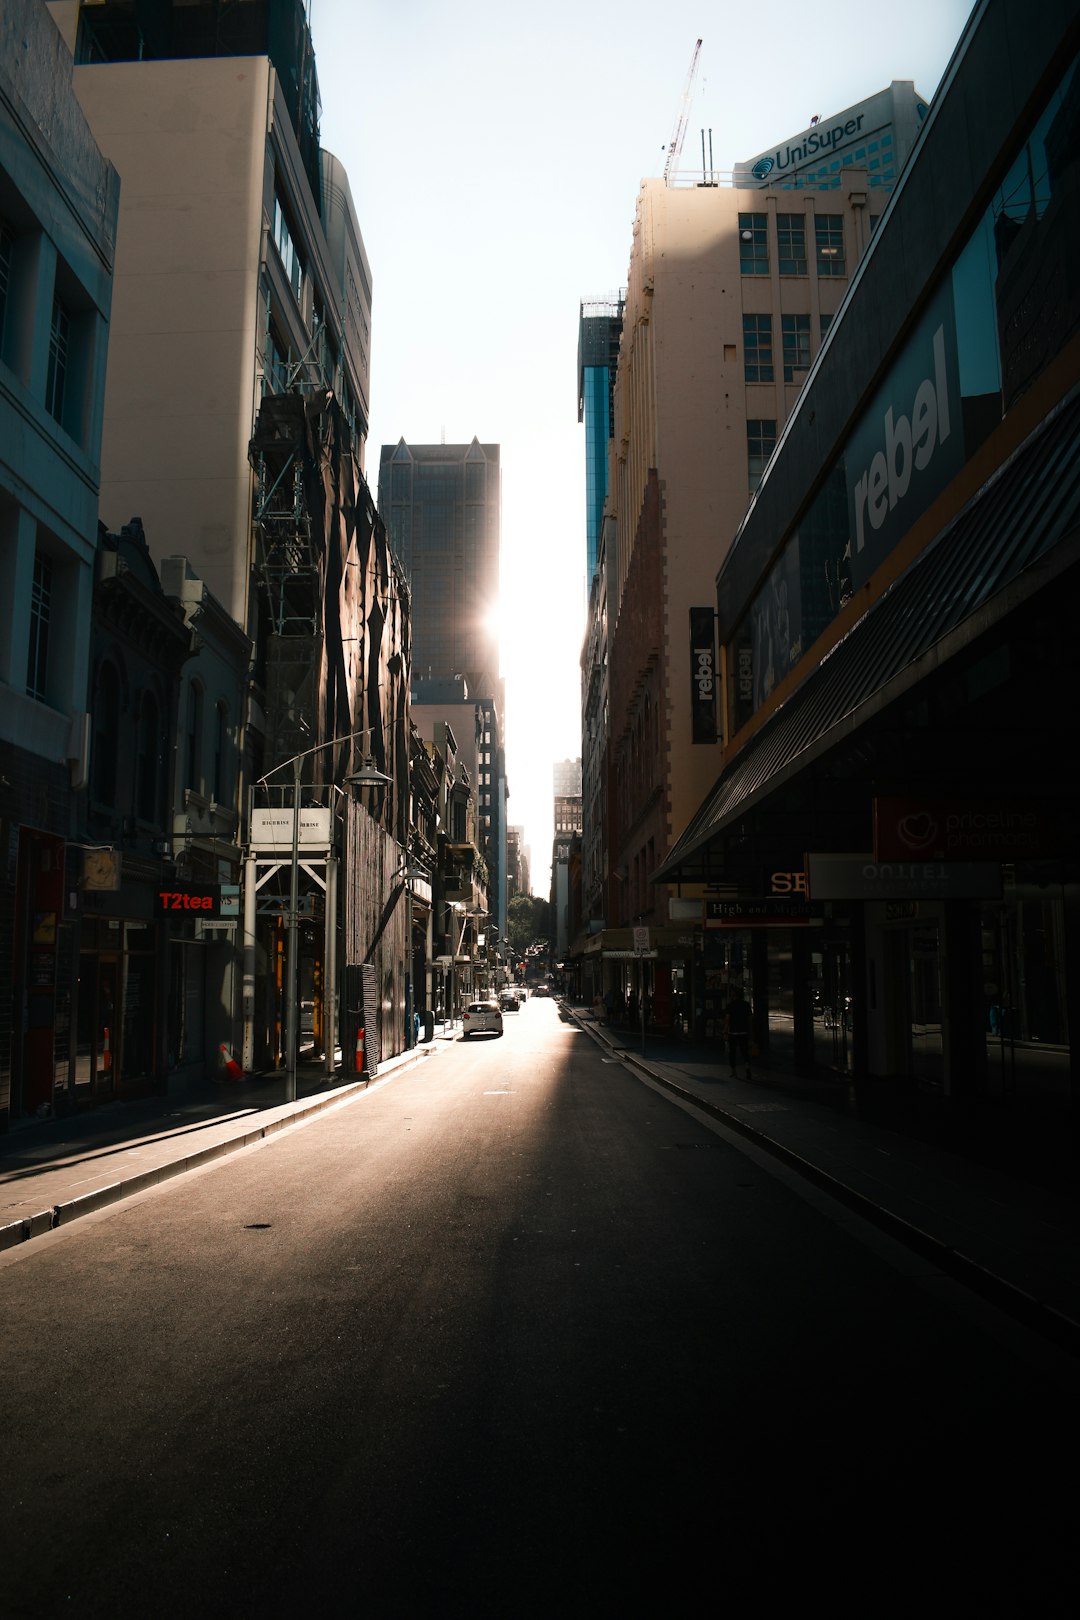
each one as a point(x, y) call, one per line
point(494, 152)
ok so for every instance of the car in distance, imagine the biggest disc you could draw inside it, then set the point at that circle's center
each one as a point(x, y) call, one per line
point(482, 1017)
point(541, 990)
point(509, 1002)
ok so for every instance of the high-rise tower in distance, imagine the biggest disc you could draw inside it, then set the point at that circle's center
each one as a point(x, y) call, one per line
point(441, 507)
point(599, 330)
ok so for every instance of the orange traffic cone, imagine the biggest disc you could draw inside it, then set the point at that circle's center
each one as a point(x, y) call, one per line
point(360, 1050)
point(232, 1068)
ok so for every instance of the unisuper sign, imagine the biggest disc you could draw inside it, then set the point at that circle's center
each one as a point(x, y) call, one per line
point(822, 142)
point(814, 144)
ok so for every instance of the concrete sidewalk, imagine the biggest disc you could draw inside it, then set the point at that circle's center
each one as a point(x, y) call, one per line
point(1015, 1241)
point(53, 1171)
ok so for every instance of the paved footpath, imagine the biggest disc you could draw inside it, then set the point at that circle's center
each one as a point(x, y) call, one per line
point(1012, 1238)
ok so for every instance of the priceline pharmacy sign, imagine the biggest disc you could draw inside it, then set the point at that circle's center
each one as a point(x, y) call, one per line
point(908, 444)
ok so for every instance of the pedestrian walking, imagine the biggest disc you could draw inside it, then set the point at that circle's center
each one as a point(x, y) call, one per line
point(737, 1030)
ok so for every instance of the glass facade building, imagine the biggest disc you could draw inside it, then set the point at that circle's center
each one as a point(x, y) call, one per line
point(441, 507)
point(599, 331)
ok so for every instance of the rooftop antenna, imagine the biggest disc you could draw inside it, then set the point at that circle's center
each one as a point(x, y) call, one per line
point(707, 172)
point(675, 147)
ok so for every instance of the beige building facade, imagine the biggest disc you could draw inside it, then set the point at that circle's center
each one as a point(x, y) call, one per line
point(729, 295)
point(229, 282)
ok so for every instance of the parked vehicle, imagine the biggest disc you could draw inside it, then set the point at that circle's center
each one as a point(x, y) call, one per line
point(482, 1017)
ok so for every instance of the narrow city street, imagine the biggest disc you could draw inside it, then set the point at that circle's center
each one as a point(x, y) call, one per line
point(510, 1334)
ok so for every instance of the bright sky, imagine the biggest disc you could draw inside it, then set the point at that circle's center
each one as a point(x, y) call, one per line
point(494, 152)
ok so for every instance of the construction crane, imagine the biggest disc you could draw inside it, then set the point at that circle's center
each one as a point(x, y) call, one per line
point(684, 112)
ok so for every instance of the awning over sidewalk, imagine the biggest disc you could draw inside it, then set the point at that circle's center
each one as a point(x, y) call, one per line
point(1019, 533)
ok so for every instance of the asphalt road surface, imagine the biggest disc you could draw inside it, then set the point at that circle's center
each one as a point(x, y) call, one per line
point(514, 1334)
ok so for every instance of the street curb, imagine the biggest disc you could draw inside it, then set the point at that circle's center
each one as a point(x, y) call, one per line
point(1007, 1296)
point(48, 1220)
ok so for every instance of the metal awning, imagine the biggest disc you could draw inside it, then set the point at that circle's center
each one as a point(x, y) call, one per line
point(1018, 532)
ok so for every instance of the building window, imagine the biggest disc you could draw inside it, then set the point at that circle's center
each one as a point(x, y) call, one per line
point(146, 775)
point(825, 322)
point(791, 244)
point(59, 336)
point(290, 258)
point(757, 348)
point(41, 596)
point(221, 736)
point(829, 235)
point(277, 374)
point(193, 739)
point(796, 334)
point(7, 244)
point(753, 245)
point(106, 735)
point(760, 443)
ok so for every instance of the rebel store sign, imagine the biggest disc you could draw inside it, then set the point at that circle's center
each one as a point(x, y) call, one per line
point(990, 829)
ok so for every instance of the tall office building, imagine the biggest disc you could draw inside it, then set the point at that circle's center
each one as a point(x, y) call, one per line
point(875, 135)
point(731, 292)
point(897, 748)
point(599, 331)
point(441, 507)
point(240, 268)
point(59, 198)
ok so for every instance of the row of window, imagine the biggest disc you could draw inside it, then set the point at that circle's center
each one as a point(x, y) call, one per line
point(323, 358)
point(62, 328)
point(151, 748)
point(758, 359)
point(791, 247)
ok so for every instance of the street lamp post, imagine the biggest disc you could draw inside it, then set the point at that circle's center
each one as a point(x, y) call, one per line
point(412, 875)
point(367, 776)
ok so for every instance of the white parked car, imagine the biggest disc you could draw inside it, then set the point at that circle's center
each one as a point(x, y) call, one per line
point(482, 1017)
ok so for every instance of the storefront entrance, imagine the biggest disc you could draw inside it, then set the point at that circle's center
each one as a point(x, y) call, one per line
point(97, 1046)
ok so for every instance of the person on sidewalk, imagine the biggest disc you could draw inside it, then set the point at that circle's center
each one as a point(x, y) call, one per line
point(737, 1029)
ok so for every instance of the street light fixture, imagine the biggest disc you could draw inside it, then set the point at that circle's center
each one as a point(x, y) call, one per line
point(369, 775)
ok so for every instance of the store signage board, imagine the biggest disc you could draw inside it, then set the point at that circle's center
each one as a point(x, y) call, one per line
point(272, 830)
point(627, 956)
point(860, 877)
point(177, 901)
point(991, 827)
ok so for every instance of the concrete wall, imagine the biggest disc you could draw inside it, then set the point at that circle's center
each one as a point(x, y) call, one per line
point(189, 139)
point(682, 403)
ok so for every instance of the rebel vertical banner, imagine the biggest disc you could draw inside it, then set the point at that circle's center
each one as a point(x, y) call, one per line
point(703, 675)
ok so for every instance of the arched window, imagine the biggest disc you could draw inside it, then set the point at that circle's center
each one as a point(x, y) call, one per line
point(193, 777)
point(106, 735)
point(147, 770)
point(219, 787)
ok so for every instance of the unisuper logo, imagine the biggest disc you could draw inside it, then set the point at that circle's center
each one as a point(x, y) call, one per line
point(818, 143)
point(763, 168)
